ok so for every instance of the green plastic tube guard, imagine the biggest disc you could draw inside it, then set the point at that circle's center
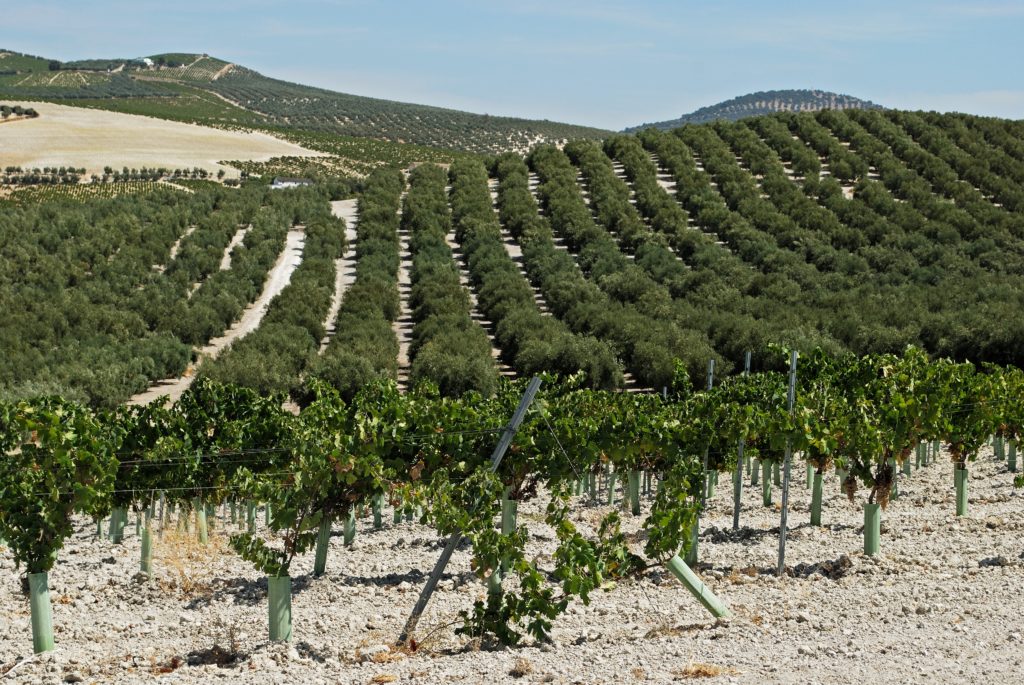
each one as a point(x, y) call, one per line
point(118, 516)
point(509, 515)
point(872, 528)
point(633, 485)
point(692, 552)
point(202, 531)
point(816, 499)
point(41, 612)
point(378, 507)
point(494, 582)
point(349, 528)
point(688, 578)
point(279, 601)
point(766, 484)
point(146, 552)
point(960, 477)
point(737, 493)
point(323, 541)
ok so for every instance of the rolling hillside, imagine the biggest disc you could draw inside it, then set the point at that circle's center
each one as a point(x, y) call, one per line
point(763, 102)
point(203, 89)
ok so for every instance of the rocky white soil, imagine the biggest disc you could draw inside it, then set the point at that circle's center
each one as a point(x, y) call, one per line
point(941, 603)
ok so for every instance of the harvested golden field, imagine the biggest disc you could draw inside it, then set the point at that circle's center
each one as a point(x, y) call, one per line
point(93, 139)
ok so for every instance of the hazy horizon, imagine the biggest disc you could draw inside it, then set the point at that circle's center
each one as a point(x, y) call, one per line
point(603, 64)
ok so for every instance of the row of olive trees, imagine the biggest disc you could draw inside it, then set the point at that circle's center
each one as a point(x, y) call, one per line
point(274, 356)
point(77, 293)
point(7, 111)
point(448, 348)
point(530, 342)
point(364, 346)
point(641, 317)
point(904, 260)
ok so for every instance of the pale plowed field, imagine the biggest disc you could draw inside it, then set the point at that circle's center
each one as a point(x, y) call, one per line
point(93, 139)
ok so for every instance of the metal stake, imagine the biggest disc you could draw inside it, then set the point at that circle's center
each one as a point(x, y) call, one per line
point(456, 537)
point(785, 471)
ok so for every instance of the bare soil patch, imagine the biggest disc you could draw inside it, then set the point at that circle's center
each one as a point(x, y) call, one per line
point(93, 139)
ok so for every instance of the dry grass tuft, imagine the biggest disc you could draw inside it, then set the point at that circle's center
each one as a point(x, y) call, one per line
point(666, 629)
point(521, 668)
point(697, 669)
point(186, 561)
point(639, 673)
point(387, 657)
point(737, 573)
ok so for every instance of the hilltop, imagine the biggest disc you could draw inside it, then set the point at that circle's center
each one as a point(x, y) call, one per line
point(203, 89)
point(764, 102)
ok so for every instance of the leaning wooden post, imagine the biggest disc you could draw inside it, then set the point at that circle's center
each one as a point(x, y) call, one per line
point(786, 467)
point(456, 537)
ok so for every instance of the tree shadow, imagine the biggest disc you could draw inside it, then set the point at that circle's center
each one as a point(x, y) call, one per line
point(251, 592)
point(742, 535)
point(752, 536)
point(833, 569)
point(243, 591)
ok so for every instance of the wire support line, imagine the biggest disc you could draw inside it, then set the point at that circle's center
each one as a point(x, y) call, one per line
point(183, 488)
point(558, 442)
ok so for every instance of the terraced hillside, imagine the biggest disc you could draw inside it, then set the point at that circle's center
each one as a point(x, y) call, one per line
point(204, 89)
point(764, 102)
point(632, 261)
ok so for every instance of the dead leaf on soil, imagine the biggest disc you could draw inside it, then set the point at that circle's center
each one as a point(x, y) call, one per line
point(701, 670)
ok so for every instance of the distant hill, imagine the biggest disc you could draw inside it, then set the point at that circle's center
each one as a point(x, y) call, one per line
point(764, 102)
point(204, 89)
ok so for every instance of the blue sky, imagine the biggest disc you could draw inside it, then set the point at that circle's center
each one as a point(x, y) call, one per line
point(608, 64)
